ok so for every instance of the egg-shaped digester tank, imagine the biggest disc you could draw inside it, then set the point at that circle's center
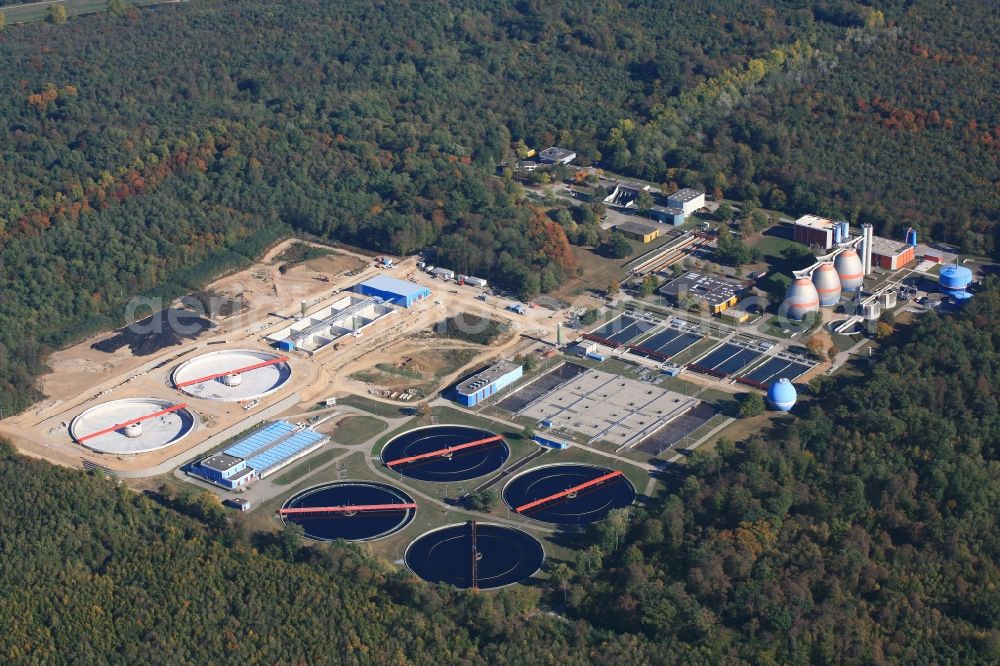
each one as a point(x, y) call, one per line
point(850, 269)
point(801, 298)
point(827, 284)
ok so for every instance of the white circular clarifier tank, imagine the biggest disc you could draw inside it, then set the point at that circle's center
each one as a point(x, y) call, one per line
point(232, 375)
point(133, 425)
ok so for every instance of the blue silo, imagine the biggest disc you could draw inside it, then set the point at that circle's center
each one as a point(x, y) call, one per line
point(782, 395)
point(954, 278)
point(911, 237)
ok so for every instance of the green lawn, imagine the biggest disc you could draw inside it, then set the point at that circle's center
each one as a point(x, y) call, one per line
point(308, 465)
point(358, 429)
point(375, 407)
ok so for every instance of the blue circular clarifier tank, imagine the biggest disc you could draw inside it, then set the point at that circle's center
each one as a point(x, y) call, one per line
point(782, 395)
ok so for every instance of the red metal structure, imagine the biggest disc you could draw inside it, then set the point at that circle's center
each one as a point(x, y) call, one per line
point(140, 419)
point(569, 491)
point(323, 510)
point(443, 452)
point(237, 371)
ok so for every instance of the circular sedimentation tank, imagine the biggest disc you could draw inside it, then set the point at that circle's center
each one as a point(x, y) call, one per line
point(232, 375)
point(383, 510)
point(782, 395)
point(850, 269)
point(954, 278)
point(445, 453)
point(132, 425)
point(801, 298)
point(583, 506)
point(494, 555)
point(827, 284)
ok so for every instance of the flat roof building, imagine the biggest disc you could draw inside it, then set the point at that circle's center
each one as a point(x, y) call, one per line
point(398, 292)
point(261, 453)
point(820, 231)
point(668, 215)
point(638, 231)
point(694, 288)
point(688, 200)
point(557, 155)
point(890, 254)
point(484, 384)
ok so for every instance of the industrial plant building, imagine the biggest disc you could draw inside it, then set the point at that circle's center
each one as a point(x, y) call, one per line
point(890, 254)
point(349, 316)
point(624, 194)
point(557, 155)
point(397, 292)
point(637, 231)
point(694, 289)
point(484, 384)
point(820, 231)
point(668, 215)
point(688, 200)
point(262, 453)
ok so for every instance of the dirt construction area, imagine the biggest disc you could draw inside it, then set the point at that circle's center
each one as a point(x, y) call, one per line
point(273, 292)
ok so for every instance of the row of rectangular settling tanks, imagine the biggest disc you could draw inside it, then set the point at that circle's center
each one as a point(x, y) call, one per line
point(350, 315)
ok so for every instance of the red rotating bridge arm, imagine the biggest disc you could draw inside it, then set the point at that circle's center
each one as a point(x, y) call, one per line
point(445, 451)
point(321, 510)
point(131, 422)
point(568, 491)
point(237, 371)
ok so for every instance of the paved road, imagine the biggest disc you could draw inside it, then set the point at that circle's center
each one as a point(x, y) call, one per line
point(38, 11)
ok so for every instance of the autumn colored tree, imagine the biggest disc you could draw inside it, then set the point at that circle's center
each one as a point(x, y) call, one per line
point(118, 7)
point(57, 14)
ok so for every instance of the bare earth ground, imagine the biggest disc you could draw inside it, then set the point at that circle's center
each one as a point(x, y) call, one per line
point(82, 377)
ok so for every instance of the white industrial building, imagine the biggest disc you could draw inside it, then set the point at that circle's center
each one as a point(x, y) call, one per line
point(557, 155)
point(687, 199)
point(349, 316)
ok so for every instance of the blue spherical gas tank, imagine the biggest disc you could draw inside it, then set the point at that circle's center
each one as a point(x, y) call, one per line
point(782, 395)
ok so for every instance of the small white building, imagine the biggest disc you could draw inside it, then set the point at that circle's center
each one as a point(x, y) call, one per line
point(474, 281)
point(556, 155)
point(688, 200)
point(443, 273)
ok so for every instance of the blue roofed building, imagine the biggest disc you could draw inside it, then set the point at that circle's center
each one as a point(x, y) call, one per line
point(265, 451)
point(391, 290)
point(484, 384)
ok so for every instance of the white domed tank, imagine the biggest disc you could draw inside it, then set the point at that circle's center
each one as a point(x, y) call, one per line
point(827, 284)
point(801, 298)
point(782, 395)
point(850, 270)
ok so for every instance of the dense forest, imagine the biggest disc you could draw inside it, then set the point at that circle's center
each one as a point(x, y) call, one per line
point(187, 137)
point(861, 530)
